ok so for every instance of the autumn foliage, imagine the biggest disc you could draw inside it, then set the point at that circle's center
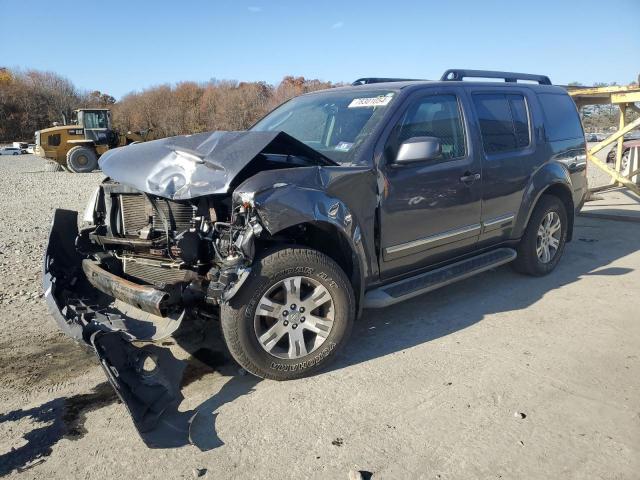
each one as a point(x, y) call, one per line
point(190, 107)
point(33, 100)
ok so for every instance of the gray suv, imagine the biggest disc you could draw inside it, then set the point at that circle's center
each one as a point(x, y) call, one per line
point(339, 200)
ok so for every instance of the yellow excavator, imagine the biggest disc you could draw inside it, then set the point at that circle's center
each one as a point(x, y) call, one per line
point(78, 145)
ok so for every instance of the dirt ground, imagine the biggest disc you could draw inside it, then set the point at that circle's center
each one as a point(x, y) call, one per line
point(499, 376)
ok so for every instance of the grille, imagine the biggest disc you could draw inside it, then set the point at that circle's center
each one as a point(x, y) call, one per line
point(137, 209)
point(153, 274)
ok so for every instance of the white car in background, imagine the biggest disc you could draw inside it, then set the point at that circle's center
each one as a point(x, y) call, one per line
point(10, 151)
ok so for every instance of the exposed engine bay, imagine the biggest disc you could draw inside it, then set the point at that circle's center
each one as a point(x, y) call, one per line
point(192, 250)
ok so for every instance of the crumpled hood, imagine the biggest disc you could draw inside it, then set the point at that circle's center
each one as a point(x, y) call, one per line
point(189, 166)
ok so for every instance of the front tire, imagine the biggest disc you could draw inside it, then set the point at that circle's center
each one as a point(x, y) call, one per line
point(82, 159)
point(544, 239)
point(292, 315)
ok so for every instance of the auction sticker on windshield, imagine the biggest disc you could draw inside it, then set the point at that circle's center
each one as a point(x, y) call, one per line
point(379, 101)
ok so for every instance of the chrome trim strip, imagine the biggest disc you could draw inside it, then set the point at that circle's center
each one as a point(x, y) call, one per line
point(501, 220)
point(433, 238)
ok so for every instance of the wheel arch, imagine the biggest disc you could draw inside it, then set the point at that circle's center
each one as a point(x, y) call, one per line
point(327, 238)
point(560, 190)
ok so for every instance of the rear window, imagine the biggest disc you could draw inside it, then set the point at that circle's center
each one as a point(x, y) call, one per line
point(561, 117)
point(504, 121)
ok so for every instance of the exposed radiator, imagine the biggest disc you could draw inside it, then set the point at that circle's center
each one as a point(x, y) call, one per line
point(154, 274)
point(135, 214)
point(136, 210)
point(179, 215)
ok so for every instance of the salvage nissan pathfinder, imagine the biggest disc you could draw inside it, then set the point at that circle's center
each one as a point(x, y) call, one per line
point(338, 200)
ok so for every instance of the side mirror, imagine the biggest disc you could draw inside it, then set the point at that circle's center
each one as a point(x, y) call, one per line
point(418, 149)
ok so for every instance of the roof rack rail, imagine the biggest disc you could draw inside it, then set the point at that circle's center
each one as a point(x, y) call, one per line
point(459, 74)
point(369, 80)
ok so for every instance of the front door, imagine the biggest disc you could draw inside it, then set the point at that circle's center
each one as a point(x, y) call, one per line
point(430, 210)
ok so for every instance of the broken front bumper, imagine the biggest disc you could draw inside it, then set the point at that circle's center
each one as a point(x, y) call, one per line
point(118, 320)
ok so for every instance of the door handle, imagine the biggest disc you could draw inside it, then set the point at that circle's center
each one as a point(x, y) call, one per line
point(469, 178)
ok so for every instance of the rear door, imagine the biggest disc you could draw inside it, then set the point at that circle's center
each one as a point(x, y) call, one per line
point(503, 118)
point(430, 210)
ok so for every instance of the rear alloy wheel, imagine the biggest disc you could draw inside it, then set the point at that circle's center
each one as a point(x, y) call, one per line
point(549, 236)
point(291, 316)
point(543, 241)
point(82, 159)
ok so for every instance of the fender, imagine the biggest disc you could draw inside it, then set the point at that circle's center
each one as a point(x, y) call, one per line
point(547, 176)
point(309, 198)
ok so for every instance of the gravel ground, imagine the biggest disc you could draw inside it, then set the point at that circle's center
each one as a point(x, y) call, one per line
point(28, 198)
point(499, 376)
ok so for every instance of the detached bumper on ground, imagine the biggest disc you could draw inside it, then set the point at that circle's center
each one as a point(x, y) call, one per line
point(109, 313)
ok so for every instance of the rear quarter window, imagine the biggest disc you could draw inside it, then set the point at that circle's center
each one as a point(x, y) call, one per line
point(560, 117)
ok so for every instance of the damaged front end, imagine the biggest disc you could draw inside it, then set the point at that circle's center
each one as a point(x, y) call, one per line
point(152, 257)
point(123, 298)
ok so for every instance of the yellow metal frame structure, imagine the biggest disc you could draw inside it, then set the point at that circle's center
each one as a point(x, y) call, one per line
point(624, 98)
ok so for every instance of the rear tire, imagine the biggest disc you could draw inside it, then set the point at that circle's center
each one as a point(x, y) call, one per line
point(82, 159)
point(544, 239)
point(291, 316)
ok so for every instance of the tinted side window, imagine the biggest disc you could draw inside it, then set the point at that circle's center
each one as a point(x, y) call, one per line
point(496, 124)
point(434, 116)
point(561, 117)
point(520, 119)
point(504, 123)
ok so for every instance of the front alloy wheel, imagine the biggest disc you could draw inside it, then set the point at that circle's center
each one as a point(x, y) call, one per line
point(291, 316)
point(294, 317)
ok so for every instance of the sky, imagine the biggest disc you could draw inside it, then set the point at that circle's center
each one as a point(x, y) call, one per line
point(122, 46)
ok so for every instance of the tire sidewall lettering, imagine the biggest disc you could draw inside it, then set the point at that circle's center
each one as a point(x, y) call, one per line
point(292, 367)
point(327, 279)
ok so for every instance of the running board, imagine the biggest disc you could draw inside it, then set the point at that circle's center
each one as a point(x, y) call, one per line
point(426, 282)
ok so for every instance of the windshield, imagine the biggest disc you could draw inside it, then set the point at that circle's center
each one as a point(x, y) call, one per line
point(335, 123)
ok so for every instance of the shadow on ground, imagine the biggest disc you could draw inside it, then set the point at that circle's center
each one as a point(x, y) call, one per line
point(431, 316)
point(57, 419)
point(596, 245)
point(197, 426)
point(65, 417)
